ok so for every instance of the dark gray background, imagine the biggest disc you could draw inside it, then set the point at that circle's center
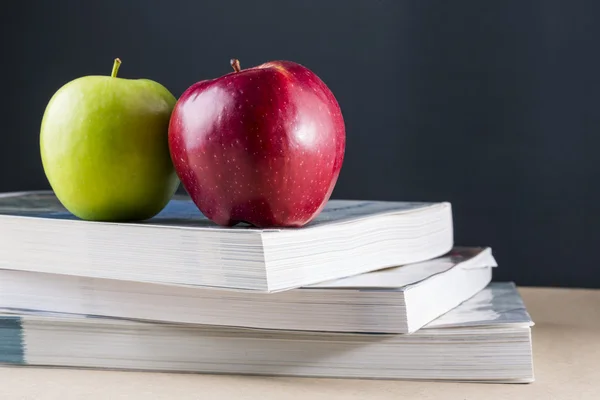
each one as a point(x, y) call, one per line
point(492, 105)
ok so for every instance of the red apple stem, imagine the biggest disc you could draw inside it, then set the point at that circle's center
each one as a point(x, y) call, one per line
point(116, 66)
point(235, 64)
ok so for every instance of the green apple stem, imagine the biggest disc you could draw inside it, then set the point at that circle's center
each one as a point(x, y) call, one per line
point(235, 64)
point(116, 66)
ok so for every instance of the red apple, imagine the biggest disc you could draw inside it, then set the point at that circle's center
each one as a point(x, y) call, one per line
point(263, 145)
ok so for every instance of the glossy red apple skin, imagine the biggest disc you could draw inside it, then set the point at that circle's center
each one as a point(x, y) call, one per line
point(264, 145)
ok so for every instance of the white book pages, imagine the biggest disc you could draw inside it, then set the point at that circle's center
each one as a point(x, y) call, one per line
point(496, 350)
point(441, 285)
point(404, 276)
point(181, 247)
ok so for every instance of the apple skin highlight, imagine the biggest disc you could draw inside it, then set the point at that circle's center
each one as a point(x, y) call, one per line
point(263, 145)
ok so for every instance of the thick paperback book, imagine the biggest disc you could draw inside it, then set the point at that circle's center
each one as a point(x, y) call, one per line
point(393, 300)
point(485, 339)
point(180, 246)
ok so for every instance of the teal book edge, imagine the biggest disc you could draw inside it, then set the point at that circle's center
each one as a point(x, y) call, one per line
point(11, 340)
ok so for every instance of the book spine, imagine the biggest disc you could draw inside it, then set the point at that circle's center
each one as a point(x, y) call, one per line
point(12, 349)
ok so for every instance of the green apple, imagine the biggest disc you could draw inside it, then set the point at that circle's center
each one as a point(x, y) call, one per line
point(104, 147)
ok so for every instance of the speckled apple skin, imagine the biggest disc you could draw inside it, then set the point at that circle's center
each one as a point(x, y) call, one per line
point(264, 145)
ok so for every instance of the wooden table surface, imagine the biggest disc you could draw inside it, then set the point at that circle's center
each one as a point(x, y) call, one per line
point(566, 341)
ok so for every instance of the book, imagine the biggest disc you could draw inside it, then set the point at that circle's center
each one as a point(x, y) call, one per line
point(485, 339)
point(393, 300)
point(180, 246)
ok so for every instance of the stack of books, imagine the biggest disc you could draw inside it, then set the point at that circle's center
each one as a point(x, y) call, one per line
point(368, 290)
